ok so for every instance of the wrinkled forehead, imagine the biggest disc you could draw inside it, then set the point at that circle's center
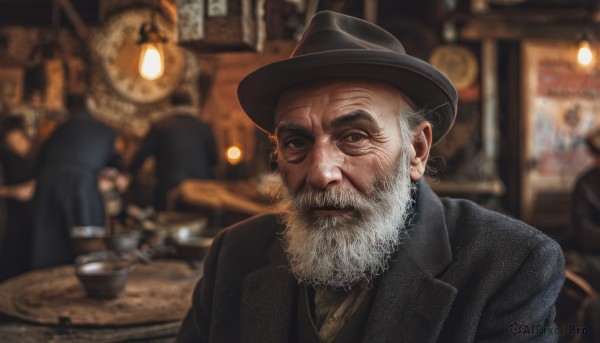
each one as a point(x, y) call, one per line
point(341, 90)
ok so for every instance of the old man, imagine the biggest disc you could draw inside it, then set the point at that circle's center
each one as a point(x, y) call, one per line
point(365, 251)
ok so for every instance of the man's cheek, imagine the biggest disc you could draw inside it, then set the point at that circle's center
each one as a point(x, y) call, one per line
point(292, 177)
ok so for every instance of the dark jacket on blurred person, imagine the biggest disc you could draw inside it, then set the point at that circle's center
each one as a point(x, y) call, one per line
point(586, 200)
point(67, 193)
point(586, 210)
point(17, 167)
point(184, 147)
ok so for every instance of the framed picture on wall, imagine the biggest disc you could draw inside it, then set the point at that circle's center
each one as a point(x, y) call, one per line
point(11, 86)
point(560, 106)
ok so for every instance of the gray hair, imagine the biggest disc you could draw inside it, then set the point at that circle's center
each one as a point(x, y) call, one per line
point(410, 118)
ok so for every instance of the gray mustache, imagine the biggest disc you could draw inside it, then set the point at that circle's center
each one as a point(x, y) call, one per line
point(334, 199)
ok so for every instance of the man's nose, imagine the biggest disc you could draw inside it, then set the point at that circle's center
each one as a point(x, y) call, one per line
point(325, 168)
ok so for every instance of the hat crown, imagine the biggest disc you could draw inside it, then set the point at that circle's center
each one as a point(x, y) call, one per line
point(336, 45)
point(330, 31)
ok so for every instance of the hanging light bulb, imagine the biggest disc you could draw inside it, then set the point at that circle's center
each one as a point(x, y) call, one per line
point(152, 62)
point(234, 154)
point(152, 58)
point(585, 56)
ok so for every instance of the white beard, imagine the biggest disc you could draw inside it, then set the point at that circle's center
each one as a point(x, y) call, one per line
point(340, 250)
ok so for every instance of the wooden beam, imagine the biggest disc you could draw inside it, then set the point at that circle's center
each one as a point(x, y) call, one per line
point(479, 30)
point(539, 15)
point(168, 7)
point(74, 17)
point(490, 123)
point(311, 10)
point(370, 10)
point(55, 17)
point(596, 10)
point(479, 6)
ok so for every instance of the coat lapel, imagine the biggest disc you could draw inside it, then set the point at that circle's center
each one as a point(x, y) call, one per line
point(411, 304)
point(269, 301)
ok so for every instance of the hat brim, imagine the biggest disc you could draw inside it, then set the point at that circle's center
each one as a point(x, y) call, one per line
point(428, 88)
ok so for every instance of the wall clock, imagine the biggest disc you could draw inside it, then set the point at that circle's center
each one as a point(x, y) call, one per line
point(118, 56)
point(458, 63)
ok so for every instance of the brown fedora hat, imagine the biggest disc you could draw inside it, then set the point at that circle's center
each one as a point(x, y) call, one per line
point(336, 45)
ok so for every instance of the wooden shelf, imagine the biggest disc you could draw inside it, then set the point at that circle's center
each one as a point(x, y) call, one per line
point(492, 187)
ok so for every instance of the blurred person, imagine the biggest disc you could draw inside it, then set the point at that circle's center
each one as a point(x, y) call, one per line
point(16, 163)
point(67, 170)
point(586, 215)
point(584, 258)
point(365, 251)
point(184, 147)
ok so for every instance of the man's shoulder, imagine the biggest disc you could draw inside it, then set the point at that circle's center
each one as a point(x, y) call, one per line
point(83, 127)
point(89, 121)
point(266, 222)
point(259, 230)
point(494, 247)
point(473, 225)
point(176, 121)
point(248, 245)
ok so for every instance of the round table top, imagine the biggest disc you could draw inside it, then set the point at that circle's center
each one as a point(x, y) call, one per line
point(160, 291)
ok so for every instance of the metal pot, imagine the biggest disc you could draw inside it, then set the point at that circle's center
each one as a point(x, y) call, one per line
point(103, 279)
point(123, 242)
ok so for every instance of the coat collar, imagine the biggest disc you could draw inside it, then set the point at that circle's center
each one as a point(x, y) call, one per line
point(411, 304)
point(429, 243)
point(268, 300)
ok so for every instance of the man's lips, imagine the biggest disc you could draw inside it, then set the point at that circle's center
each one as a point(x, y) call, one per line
point(329, 211)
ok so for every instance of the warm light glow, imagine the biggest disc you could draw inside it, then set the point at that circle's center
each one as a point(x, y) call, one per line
point(234, 155)
point(584, 54)
point(152, 64)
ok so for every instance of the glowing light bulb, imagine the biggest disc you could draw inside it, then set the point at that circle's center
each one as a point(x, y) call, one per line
point(152, 64)
point(234, 155)
point(584, 54)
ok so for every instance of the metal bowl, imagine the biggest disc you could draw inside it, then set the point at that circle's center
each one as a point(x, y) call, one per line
point(103, 279)
point(176, 222)
point(169, 225)
point(123, 242)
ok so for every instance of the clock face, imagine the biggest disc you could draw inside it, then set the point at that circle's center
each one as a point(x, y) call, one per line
point(119, 56)
point(458, 63)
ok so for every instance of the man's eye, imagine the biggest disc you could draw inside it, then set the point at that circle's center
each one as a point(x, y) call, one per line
point(355, 137)
point(295, 143)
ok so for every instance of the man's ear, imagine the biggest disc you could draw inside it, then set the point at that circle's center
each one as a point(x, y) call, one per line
point(421, 144)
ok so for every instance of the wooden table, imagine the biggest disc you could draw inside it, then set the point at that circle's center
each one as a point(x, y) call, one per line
point(51, 306)
point(235, 196)
point(11, 332)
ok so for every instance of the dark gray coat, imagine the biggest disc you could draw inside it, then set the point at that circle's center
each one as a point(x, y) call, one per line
point(466, 274)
